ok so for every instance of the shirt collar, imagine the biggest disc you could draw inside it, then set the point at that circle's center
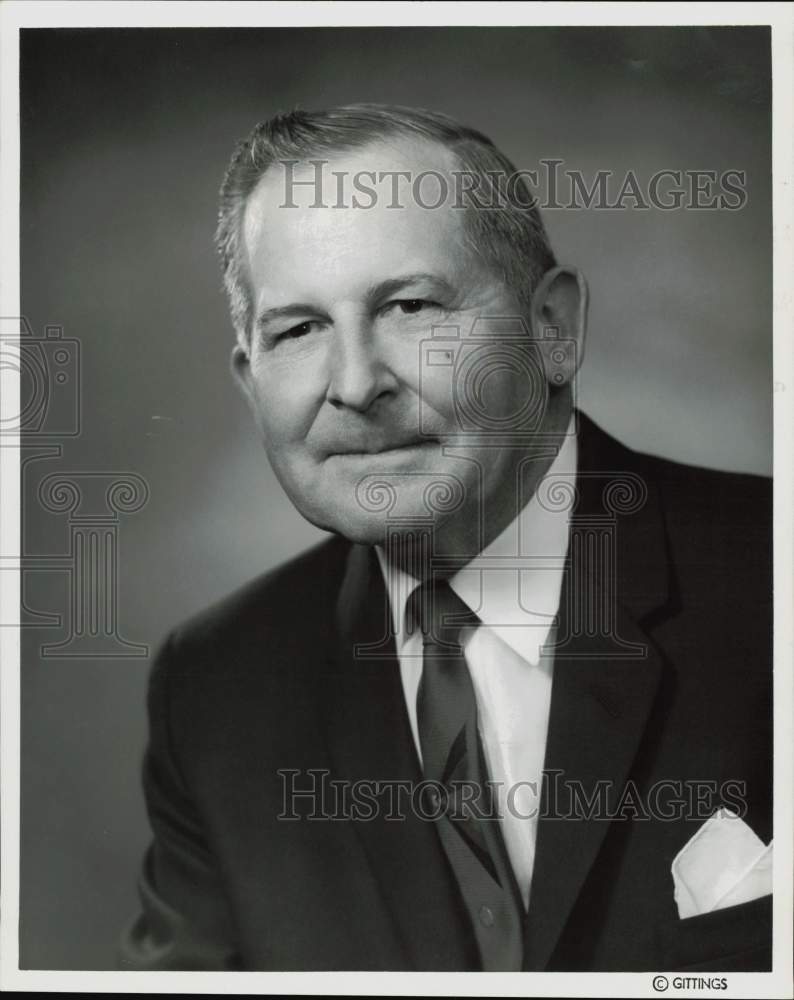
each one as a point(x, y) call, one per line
point(538, 535)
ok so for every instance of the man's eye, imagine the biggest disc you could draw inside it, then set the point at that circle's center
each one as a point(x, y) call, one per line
point(296, 331)
point(410, 307)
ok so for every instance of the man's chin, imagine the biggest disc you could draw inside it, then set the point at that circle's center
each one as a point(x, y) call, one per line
point(363, 534)
point(377, 505)
point(363, 531)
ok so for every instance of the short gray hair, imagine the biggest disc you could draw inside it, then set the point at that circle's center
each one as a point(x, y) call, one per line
point(510, 237)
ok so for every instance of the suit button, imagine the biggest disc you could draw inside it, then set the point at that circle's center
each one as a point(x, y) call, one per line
point(486, 916)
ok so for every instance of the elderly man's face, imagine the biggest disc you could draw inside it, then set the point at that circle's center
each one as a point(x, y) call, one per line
point(343, 300)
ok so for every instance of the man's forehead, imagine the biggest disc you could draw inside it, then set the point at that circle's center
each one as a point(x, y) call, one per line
point(326, 209)
point(400, 172)
point(389, 155)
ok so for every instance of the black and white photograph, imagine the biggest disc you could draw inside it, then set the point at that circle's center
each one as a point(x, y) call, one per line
point(397, 499)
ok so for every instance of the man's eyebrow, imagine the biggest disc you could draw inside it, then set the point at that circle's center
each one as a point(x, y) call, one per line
point(391, 286)
point(291, 311)
point(376, 293)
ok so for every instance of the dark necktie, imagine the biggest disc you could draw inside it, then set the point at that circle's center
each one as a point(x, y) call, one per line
point(454, 766)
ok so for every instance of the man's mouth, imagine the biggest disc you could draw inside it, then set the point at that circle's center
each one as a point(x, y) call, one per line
point(372, 449)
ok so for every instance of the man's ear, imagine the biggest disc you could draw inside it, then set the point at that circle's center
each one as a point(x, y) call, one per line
point(559, 322)
point(241, 370)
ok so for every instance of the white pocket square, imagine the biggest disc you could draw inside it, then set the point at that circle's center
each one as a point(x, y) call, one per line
point(723, 864)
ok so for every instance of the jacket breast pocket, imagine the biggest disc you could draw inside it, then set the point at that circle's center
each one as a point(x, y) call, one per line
point(733, 939)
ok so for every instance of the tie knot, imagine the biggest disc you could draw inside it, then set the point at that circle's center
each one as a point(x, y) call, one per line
point(436, 609)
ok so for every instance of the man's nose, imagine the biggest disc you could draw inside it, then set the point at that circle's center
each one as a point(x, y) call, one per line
point(359, 373)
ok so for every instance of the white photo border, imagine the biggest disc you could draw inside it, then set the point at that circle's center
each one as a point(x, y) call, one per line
point(779, 16)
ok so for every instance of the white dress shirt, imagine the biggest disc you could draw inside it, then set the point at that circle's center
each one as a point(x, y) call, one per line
point(514, 587)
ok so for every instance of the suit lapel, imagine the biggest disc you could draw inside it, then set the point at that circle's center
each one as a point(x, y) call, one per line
point(599, 711)
point(605, 678)
point(369, 739)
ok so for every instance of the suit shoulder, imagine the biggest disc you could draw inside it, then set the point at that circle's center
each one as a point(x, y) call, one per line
point(689, 493)
point(295, 592)
point(719, 531)
point(694, 493)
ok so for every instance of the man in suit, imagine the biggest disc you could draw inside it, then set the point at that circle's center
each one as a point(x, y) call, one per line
point(481, 726)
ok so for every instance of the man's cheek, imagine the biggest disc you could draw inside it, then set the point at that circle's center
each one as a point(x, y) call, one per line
point(284, 415)
point(436, 399)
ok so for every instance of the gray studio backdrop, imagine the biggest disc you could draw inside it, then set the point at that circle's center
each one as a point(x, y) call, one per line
point(125, 135)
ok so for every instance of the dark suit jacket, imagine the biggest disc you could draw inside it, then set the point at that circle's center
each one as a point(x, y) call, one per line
point(672, 684)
